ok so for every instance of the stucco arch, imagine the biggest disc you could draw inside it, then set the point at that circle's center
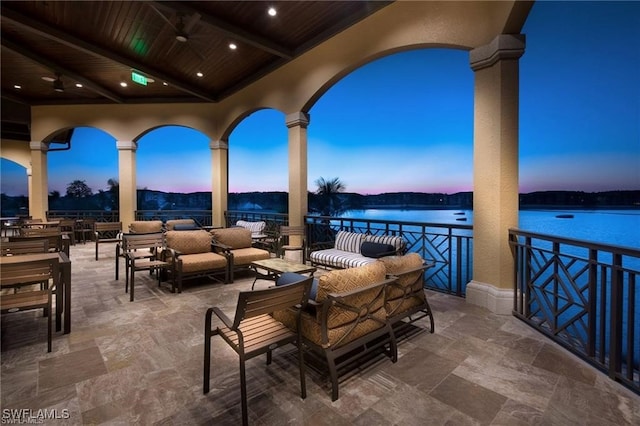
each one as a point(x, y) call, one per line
point(16, 151)
point(235, 123)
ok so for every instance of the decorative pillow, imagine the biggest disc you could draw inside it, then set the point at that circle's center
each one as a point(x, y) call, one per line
point(184, 227)
point(348, 241)
point(398, 242)
point(376, 250)
point(170, 225)
point(292, 277)
point(236, 238)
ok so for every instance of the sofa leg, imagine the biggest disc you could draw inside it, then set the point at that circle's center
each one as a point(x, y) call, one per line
point(333, 374)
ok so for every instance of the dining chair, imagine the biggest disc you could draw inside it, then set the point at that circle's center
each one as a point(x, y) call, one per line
point(141, 253)
point(253, 331)
point(24, 274)
point(24, 246)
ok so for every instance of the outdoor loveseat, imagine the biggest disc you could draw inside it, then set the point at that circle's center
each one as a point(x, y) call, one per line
point(354, 312)
point(353, 249)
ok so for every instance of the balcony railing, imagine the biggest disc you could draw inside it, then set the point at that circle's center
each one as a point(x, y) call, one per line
point(584, 296)
point(448, 247)
point(201, 217)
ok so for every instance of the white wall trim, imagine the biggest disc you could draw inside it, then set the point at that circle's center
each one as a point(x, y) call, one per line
point(498, 301)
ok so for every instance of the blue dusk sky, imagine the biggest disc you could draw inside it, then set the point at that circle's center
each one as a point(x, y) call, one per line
point(405, 122)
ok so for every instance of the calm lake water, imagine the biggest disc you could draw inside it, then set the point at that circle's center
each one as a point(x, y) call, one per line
point(617, 227)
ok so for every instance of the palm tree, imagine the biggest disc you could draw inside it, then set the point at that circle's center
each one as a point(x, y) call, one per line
point(329, 200)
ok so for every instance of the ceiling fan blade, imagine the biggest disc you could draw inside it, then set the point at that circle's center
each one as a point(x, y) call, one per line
point(188, 26)
point(163, 16)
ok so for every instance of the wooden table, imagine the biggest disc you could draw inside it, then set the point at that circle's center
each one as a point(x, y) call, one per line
point(63, 294)
point(276, 266)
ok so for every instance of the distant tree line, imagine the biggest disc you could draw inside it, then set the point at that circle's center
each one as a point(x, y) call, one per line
point(329, 199)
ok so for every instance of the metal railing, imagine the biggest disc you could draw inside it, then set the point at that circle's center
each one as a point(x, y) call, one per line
point(583, 295)
point(99, 215)
point(448, 247)
point(201, 217)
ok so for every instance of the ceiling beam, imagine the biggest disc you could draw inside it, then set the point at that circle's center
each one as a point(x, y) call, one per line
point(55, 67)
point(238, 33)
point(52, 33)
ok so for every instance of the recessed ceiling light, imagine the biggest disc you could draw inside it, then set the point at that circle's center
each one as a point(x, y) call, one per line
point(17, 86)
point(199, 74)
point(150, 80)
point(272, 11)
point(78, 85)
point(48, 79)
point(232, 46)
point(164, 83)
point(123, 84)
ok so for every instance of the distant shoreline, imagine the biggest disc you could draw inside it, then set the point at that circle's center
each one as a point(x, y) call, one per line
point(526, 207)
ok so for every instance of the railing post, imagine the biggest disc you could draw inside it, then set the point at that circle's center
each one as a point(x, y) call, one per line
point(615, 333)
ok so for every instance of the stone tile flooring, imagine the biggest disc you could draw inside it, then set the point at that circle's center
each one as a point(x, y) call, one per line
point(141, 363)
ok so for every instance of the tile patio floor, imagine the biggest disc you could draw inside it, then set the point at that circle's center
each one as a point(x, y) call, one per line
point(141, 363)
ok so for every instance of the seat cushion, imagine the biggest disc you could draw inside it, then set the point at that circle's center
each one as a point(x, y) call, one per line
point(236, 238)
point(245, 256)
point(189, 242)
point(202, 262)
point(339, 258)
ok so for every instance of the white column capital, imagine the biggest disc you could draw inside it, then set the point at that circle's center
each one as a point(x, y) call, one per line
point(38, 146)
point(127, 145)
point(221, 144)
point(296, 119)
point(504, 46)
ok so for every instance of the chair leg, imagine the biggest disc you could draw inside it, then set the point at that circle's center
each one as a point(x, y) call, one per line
point(49, 323)
point(207, 351)
point(333, 374)
point(133, 270)
point(243, 392)
point(301, 367)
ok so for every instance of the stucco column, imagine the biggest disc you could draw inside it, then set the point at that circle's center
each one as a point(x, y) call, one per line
point(220, 180)
point(38, 190)
point(495, 170)
point(128, 202)
point(298, 191)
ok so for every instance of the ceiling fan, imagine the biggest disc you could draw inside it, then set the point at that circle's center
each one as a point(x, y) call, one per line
point(58, 85)
point(183, 28)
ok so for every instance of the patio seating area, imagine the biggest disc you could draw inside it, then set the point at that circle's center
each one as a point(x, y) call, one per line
point(141, 363)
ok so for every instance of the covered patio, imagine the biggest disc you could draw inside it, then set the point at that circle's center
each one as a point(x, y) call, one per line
point(141, 363)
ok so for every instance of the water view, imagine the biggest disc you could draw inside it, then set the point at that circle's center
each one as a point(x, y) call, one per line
point(616, 227)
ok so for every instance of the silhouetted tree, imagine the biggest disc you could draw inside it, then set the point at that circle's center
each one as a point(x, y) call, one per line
point(329, 201)
point(78, 189)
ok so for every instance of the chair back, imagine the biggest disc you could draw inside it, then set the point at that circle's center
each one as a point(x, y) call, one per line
point(154, 241)
point(146, 226)
point(54, 237)
point(259, 302)
point(29, 272)
point(107, 229)
point(27, 246)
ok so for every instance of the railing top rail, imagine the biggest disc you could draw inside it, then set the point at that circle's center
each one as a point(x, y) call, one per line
point(384, 222)
point(628, 251)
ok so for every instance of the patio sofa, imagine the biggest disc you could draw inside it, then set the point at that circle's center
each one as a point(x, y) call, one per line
point(352, 312)
point(352, 249)
point(190, 254)
point(236, 245)
point(346, 320)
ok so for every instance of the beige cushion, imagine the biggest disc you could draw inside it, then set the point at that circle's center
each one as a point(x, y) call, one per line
point(145, 226)
point(245, 256)
point(189, 242)
point(235, 238)
point(407, 291)
point(202, 262)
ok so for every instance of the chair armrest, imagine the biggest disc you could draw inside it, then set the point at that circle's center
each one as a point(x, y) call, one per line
point(223, 247)
point(224, 318)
